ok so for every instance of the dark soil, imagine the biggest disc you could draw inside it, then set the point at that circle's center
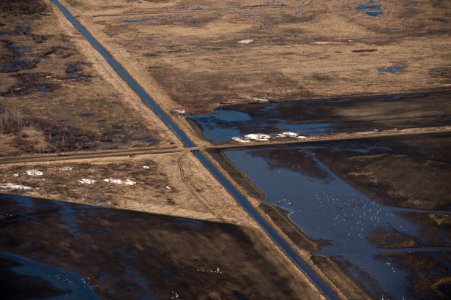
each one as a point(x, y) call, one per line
point(121, 258)
point(411, 172)
point(431, 272)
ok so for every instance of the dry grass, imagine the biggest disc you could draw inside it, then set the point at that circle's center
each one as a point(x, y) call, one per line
point(53, 98)
point(299, 49)
point(11, 120)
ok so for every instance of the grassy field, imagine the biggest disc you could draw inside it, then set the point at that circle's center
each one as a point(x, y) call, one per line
point(204, 53)
point(54, 98)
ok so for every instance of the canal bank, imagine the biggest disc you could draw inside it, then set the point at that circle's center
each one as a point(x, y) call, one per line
point(275, 236)
point(350, 206)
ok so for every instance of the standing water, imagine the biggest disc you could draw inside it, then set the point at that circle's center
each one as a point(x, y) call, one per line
point(327, 208)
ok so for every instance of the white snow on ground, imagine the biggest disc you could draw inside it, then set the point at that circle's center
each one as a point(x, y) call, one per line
point(34, 172)
point(86, 181)
point(257, 137)
point(168, 188)
point(260, 100)
point(290, 134)
point(16, 175)
point(240, 140)
point(120, 181)
point(261, 137)
point(329, 43)
point(246, 41)
point(180, 111)
point(13, 186)
point(66, 169)
point(146, 167)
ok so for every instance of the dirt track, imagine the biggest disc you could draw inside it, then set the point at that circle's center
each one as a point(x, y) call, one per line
point(196, 193)
point(126, 183)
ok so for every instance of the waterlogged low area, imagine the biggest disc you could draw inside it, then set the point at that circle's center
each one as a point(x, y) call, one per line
point(58, 250)
point(23, 278)
point(327, 116)
point(371, 8)
point(351, 227)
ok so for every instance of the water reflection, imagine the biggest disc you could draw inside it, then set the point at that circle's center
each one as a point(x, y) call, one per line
point(33, 279)
point(328, 208)
point(129, 255)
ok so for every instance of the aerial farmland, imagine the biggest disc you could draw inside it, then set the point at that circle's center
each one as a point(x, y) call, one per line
point(258, 149)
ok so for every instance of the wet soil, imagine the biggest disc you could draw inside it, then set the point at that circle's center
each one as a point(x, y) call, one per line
point(330, 116)
point(15, 286)
point(120, 257)
point(281, 218)
point(238, 176)
point(410, 172)
point(23, 278)
point(430, 272)
point(49, 84)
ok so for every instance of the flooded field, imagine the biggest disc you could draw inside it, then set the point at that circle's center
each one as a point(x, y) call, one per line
point(374, 241)
point(59, 249)
point(371, 218)
point(24, 278)
point(321, 117)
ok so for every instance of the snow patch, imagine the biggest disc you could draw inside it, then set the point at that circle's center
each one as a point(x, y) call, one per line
point(260, 100)
point(120, 181)
point(34, 172)
point(240, 140)
point(290, 134)
point(67, 168)
point(86, 181)
point(180, 111)
point(146, 167)
point(13, 186)
point(247, 41)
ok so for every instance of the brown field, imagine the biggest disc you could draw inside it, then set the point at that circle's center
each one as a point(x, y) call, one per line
point(57, 94)
point(164, 183)
point(299, 49)
point(54, 98)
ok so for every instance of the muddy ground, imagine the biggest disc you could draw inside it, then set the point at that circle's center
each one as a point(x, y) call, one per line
point(206, 53)
point(410, 172)
point(54, 98)
point(327, 116)
point(132, 255)
point(431, 272)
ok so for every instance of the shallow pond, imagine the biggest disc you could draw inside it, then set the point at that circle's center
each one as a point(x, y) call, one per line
point(126, 254)
point(37, 280)
point(327, 116)
point(329, 209)
point(226, 123)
